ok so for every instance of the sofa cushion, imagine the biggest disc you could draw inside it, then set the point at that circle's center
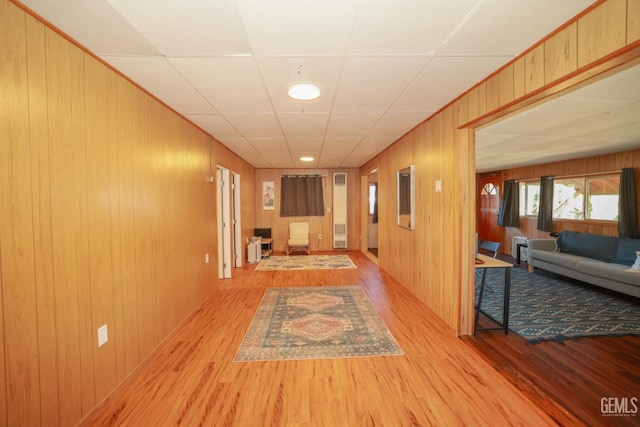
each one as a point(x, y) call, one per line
point(563, 260)
point(626, 251)
point(589, 245)
point(610, 271)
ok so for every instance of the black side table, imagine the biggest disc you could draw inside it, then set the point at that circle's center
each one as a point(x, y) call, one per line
point(518, 247)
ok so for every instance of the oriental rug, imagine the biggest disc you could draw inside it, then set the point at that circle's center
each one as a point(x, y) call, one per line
point(316, 323)
point(305, 262)
point(545, 306)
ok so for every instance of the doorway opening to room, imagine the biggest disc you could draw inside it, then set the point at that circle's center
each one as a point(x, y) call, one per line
point(369, 243)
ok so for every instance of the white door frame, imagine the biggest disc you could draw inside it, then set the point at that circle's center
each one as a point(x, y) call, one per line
point(224, 222)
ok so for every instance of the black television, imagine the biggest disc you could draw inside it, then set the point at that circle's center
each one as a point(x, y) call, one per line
point(264, 232)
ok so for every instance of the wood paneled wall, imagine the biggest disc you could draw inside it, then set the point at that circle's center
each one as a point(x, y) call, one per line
point(435, 262)
point(317, 225)
point(105, 217)
point(596, 164)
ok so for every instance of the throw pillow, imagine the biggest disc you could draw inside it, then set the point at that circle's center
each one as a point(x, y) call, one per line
point(635, 268)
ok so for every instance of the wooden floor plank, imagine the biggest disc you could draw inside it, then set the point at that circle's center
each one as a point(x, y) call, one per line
point(490, 379)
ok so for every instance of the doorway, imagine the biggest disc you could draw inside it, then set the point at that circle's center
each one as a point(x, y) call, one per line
point(223, 196)
point(236, 220)
point(369, 242)
point(488, 199)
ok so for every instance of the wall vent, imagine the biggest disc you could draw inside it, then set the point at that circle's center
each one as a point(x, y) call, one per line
point(340, 210)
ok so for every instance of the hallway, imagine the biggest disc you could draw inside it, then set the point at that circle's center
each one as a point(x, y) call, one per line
point(191, 378)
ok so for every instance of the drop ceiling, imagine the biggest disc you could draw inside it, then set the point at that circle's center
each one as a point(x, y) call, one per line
point(383, 66)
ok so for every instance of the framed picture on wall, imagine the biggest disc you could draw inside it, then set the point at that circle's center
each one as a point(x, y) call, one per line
point(268, 196)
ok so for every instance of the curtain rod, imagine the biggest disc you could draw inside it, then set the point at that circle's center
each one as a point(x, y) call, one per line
point(573, 176)
point(312, 174)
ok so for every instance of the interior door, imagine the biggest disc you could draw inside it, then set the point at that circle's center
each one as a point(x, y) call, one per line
point(224, 221)
point(488, 197)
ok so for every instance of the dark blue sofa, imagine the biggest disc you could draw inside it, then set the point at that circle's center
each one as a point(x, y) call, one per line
point(603, 261)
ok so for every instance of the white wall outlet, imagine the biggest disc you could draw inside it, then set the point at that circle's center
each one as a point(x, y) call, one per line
point(206, 258)
point(438, 185)
point(319, 236)
point(103, 335)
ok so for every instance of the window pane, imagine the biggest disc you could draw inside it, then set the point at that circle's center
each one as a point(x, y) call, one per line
point(568, 198)
point(372, 198)
point(602, 197)
point(529, 198)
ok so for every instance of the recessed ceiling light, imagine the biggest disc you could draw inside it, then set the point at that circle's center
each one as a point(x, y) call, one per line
point(306, 159)
point(304, 92)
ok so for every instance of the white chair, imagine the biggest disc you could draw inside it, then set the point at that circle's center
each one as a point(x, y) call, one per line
point(298, 239)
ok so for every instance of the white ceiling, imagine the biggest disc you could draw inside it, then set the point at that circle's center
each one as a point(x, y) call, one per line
point(600, 118)
point(383, 66)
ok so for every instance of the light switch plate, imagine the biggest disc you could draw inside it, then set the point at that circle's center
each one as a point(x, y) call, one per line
point(103, 335)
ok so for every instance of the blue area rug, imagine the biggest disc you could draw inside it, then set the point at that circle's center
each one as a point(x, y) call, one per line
point(548, 307)
point(316, 323)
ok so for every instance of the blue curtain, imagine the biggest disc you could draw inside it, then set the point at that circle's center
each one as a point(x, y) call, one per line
point(509, 213)
point(545, 213)
point(628, 205)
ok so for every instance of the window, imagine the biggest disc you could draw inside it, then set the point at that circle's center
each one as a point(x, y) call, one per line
point(576, 198)
point(489, 190)
point(603, 193)
point(530, 198)
point(372, 198)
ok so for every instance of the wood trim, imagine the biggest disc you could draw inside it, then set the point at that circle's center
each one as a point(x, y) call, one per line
point(612, 63)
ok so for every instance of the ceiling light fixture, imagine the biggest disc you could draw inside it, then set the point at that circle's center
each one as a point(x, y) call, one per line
point(306, 159)
point(304, 92)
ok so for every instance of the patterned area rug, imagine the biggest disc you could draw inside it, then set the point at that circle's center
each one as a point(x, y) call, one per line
point(305, 262)
point(316, 323)
point(546, 307)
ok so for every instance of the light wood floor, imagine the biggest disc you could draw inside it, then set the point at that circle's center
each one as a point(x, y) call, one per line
point(441, 380)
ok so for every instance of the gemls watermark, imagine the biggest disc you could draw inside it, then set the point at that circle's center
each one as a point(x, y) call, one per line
point(619, 406)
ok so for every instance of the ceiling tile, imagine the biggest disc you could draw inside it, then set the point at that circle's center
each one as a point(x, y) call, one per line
point(269, 144)
point(279, 159)
point(442, 76)
point(158, 77)
point(256, 125)
point(396, 124)
point(294, 27)
point(95, 25)
point(405, 26)
point(231, 85)
point(215, 124)
point(305, 145)
point(485, 30)
point(371, 84)
point(303, 124)
point(351, 124)
point(195, 28)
